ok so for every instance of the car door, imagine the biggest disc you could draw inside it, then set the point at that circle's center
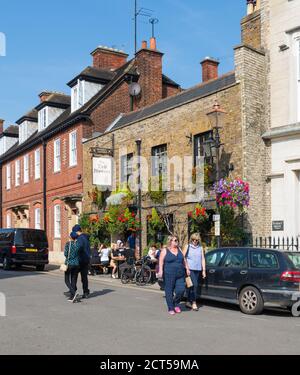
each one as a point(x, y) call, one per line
point(232, 273)
point(213, 260)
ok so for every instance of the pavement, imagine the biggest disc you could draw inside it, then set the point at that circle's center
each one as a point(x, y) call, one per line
point(126, 319)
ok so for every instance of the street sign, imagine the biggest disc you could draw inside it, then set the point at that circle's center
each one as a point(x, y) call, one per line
point(216, 217)
point(217, 228)
point(277, 225)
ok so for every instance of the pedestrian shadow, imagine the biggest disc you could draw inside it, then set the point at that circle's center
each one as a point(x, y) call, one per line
point(100, 293)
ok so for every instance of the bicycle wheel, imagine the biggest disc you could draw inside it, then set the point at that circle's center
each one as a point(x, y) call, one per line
point(125, 277)
point(143, 276)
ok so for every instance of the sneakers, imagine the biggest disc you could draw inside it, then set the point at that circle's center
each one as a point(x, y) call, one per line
point(114, 276)
point(86, 295)
point(195, 307)
point(74, 298)
point(177, 310)
point(172, 312)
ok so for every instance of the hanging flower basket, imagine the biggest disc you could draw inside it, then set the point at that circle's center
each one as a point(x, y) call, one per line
point(233, 193)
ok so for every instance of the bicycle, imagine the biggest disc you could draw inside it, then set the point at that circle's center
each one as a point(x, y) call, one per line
point(139, 272)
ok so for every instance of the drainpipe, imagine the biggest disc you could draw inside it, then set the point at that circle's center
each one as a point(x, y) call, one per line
point(45, 183)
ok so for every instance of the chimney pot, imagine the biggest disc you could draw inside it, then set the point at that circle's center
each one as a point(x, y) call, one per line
point(209, 69)
point(1, 126)
point(153, 43)
point(144, 44)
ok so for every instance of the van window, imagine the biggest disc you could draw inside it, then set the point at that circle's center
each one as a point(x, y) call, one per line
point(263, 259)
point(34, 237)
point(213, 258)
point(295, 258)
point(237, 258)
point(6, 236)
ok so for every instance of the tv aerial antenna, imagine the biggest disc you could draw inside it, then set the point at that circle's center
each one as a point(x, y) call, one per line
point(139, 12)
point(153, 22)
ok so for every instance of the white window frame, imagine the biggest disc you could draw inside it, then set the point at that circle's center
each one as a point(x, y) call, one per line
point(57, 221)
point(78, 95)
point(18, 172)
point(37, 164)
point(26, 169)
point(37, 218)
point(57, 155)
point(43, 118)
point(73, 148)
point(8, 177)
point(8, 221)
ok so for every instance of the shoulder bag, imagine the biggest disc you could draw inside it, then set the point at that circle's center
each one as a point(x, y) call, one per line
point(64, 267)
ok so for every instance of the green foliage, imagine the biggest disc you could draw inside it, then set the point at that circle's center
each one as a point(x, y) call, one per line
point(232, 233)
point(155, 189)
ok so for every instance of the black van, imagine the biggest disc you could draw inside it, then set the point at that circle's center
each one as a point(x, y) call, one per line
point(253, 278)
point(23, 246)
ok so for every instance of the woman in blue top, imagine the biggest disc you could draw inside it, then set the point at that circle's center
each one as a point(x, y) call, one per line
point(72, 261)
point(195, 257)
point(173, 268)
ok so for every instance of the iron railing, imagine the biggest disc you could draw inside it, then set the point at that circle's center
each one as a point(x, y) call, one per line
point(281, 243)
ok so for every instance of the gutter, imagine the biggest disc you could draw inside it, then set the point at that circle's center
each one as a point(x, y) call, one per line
point(45, 183)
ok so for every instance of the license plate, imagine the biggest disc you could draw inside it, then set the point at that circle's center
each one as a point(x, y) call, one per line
point(31, 250)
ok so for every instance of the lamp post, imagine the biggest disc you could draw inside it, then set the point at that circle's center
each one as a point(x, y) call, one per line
point(138, 145)
point(216, 116)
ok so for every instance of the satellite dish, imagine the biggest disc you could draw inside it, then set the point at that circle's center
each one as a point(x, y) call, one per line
point(134, 89)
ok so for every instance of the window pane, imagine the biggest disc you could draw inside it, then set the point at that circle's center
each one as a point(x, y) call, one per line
point(159, 160)
point(263, 259)
point(57, 221)
point(214, 258)
point(237, 259)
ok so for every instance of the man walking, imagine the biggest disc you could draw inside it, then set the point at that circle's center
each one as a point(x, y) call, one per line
point(84, 250)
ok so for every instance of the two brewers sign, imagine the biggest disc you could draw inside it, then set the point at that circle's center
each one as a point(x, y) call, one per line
point(102, 171)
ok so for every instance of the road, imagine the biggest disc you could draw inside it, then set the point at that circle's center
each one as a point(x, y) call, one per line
point(126, 320)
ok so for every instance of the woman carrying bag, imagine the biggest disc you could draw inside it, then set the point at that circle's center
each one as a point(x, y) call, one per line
point(195, 257)
point(72, 265)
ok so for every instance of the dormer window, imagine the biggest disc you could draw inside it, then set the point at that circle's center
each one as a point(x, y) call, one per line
point(78, 99)
point(43, 118)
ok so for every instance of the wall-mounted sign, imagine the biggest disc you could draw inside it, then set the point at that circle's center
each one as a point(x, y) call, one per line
point(217, 228)
point(277, 225)
point(102, 171)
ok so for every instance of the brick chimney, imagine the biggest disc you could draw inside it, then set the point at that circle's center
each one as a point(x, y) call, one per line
point(1, 126)
point(149, 67)
point(251, 25)
point(108, 58)
point(209, 69)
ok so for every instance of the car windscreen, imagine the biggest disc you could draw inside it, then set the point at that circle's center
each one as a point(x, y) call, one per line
point(31, 237)
point(295, 258)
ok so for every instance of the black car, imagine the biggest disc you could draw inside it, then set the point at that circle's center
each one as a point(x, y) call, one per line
point(23, 246)
point(253, 278)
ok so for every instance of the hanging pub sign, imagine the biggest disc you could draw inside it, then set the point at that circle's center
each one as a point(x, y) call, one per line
point(102, 171)
point(277, 225)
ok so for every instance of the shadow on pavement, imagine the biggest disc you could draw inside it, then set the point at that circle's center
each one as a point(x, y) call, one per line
point(100, 293)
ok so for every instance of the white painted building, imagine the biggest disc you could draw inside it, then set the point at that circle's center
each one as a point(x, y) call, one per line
point(283, 50)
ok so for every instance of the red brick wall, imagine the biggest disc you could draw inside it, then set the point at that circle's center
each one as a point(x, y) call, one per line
point(108, 60)
point(110, 108)
point(170, 91)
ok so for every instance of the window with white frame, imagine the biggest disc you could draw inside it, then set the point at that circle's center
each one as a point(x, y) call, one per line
point(37, 164)
point(73, 148)
point(57, 221)
point(57, 161)
point(26, 169)
point(43, 118)
point(8, 177)
point(8, 220)
point(37, 218)
point(78, 97)
point(18, 172)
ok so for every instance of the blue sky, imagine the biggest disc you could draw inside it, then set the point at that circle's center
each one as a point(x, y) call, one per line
point(48, 43)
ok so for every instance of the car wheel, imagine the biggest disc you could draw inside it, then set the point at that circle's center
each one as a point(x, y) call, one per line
point(6, 264)
point(40, 267)
point(251, 301)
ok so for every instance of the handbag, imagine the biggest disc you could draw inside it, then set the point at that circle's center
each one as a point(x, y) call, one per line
point(64, 267)
point(188, 282)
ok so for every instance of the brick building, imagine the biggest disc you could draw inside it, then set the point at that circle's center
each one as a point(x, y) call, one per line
point(42, 170)
point(178, 127)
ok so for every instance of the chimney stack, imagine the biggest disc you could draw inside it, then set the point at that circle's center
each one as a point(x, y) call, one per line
point(153, 44)
point(108, 58)
point(144, 44)
point(1, 126)
point(209, 69)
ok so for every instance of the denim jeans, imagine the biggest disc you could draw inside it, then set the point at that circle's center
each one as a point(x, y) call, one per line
point(193, 291)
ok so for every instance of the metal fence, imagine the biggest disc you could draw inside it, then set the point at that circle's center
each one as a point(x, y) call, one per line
point(282, 243)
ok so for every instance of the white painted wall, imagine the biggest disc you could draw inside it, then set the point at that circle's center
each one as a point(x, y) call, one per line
point(9, 142)
point(26, 129)
point(284, 16)
point(89, 89)
point(53, 114)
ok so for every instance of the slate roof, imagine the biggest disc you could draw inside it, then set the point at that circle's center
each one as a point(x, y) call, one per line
point(186, 96)
point(32, 115)
point(93, 74)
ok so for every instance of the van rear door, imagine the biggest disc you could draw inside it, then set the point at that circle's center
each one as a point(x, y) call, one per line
point(31, 242)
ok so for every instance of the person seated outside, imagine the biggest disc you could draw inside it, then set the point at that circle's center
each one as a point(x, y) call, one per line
point(116, 256)
point(152, 253)
point(129, 258)
point(104, 253)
